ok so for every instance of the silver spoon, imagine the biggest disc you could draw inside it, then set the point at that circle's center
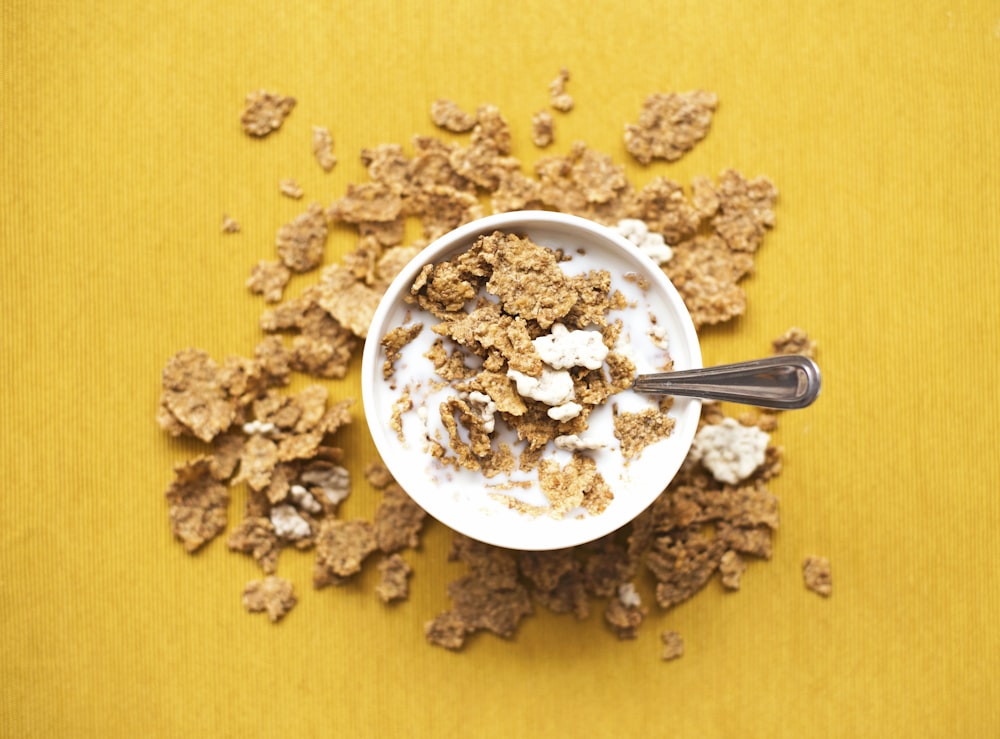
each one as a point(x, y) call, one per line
point(784, 382)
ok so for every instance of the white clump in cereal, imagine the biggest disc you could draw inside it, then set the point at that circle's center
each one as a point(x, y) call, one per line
point(658, 336)
point(564, 412)
point(288, 524)
point(628, 595)
point(577, 443)
point(562, 348)
point(552, 387)
point(258, 427)
point(485, 408)
point(649, 242)
point(334, 481)
point(304, 499)
point(729, 450)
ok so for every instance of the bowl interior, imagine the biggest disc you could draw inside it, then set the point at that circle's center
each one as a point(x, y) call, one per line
point(460, 498)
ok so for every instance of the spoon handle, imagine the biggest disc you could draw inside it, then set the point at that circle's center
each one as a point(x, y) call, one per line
point(784, 381)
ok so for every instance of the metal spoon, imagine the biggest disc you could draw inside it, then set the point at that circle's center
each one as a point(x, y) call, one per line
point(785, 381)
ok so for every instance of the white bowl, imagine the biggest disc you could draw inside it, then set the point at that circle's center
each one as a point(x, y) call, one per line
point(461, 499)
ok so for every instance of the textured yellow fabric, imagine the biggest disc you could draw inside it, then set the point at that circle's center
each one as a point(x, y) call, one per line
point(122, 150)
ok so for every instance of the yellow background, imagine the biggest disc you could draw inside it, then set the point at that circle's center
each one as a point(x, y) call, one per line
point(121, 151)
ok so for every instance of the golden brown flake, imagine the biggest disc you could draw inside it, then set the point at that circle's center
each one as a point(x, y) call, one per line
point(230, 225)
point(636, 431)
point(256, 537)
point(585, 183)
point(394, 584)
point(259, 458)
point(194, 399)
point(558, 97)
point(198, 503)
point(369, 202)
point(624, 619)
point(542, 129)
point(444, 208)
point(398, 520)
point(670, 124)
point(341, 548)
point(662, 205)
point(448, 115)
point(265, 112)
point(516, 191)
point(706, 272)
point(349, 301)
point(275, 595)
point(393, 343)
point(481, 607)
point(795, 341)
point(446, 630)
point(322, 148)
point(290, 188)
point(578, 484)
point(731, 568)
point(746, 210)
point(673, 645)
point(268, 279)
point(816, 573)
point(301, 242)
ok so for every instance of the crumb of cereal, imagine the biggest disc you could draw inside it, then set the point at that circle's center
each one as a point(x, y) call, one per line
point(369, 202)
point(268, 279)
point(636, 431)
point(816, 573)
point(265, 112)
point(194, 399)
point(558, 97)
point(393, 343)
point(394, 579)
point(274, 595)
point(341, 548)
point(585, 183)
point(301, 242)
point(448, 115)
point(625, 613)
point(322, 147)
point(746, 210)
point(576, 484)
point(542, 129)
point(290, 188)
point(198, 503)
point(378, 475)
point(673, 645)
point(669, 125)
point(706, 273)
point(230, 225)
point(795, 341)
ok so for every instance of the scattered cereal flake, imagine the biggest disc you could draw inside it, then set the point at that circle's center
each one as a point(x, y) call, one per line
point(322, 147)
point(398, 520)
point(194, 399)
point(259, 458)
point(729, 450)
point(447, 630)
point(301, 242)
point(394, 582)
point(256, 536)
point(482, 607)
point(558, 97)
point(378, 475)
point(585, 183)
point(351, 302)
point(448, 115)
point(290, 188)
point(275, 595)
point(198, 503)
point(341, 547)
point(625, 618)
point(227, 449)
point(682, 562)
point(329, 482)
point(662, 205)
point(816, 573)
point(706, 272)
point(230, 225)
point(556, 580)
point(444, 208)
point(268, 279)
point(670, 124)
point(731, 568)
point(673, 645)
point(265, 112)
point(516, 191)
point(795, 341)
point(636, 431)
point(542, 129)
point(368, 202)
point(746, 210)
